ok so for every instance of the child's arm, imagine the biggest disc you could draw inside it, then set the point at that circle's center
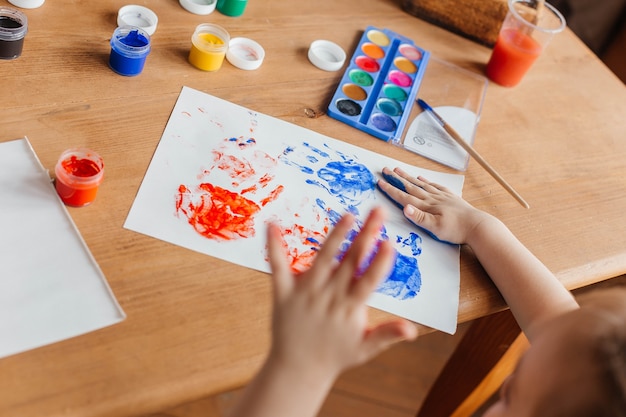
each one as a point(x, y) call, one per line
point(532, 292)
point(319, 323)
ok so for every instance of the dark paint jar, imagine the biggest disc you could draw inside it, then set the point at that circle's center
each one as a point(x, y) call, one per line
point(130, 46)
point(13, 28)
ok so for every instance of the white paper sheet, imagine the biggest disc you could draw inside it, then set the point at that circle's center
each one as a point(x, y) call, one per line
point(50, 286)
point(221, 172)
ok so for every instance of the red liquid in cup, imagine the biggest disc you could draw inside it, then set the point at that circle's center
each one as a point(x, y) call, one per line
point(513, 54)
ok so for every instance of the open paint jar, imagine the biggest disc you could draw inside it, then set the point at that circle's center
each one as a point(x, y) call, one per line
point(79, 172)
point(13, 28)
point(130, 45)
point(209, 44)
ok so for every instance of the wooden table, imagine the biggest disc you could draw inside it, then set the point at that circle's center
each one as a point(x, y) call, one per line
point(558, 138)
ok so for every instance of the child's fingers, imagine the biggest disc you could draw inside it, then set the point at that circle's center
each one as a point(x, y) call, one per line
point(282, 278)
point(404, 183)
point(400, 190)
point(378, 269)
point(393, 193)
point(383, 336)
point(325, 262)
point(434, 185)
point(421, 182)
point(360, 248)
point(418, 217)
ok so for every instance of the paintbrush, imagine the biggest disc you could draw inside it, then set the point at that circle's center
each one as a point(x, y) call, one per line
point(458, 139)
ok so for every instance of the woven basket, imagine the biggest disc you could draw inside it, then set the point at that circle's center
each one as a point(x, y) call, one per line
point(478, 20)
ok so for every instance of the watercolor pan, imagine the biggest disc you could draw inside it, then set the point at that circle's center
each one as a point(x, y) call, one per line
point(380, 84)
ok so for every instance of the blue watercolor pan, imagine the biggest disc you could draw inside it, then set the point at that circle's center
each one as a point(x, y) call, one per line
point(379, 86)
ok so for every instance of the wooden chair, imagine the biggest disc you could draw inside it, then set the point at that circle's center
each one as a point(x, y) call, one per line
point(475, 371)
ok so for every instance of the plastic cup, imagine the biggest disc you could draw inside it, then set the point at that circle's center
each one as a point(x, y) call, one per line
point(130, 45)
point(524, 35)
point(79, 172)
point(209, 44)
point(13, 28)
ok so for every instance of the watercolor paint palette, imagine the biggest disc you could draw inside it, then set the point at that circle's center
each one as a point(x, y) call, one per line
point(380, 83)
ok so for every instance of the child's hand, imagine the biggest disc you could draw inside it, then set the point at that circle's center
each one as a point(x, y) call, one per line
point(320, 325)
point(430, 206)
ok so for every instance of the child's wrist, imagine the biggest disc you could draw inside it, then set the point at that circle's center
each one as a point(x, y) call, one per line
point(302, 368)
point(481, 224)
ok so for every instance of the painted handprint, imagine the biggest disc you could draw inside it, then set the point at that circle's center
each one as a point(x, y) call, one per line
point(228, 213)
point(350, 183)
point(405, 280)
point(221, 213)
point(344, 178)
point(300, 243)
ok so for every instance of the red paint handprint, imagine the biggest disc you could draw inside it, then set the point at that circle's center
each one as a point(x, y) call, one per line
point(301, 244)
point(225, 214)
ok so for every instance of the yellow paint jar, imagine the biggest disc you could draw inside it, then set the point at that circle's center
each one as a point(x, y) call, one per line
point(209, 44)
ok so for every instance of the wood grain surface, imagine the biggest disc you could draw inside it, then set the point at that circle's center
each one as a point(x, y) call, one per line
point(197, 325)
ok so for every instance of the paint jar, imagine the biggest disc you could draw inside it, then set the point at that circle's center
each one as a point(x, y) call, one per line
point(209, 44)
point(13, 28)
point(79, 173)
point(130, 45)
point(232, 8)
point(27, 4)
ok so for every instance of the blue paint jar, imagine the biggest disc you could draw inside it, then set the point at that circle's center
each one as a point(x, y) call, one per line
point(130, 46)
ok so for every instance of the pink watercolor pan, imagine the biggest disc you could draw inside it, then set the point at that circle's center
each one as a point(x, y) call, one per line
point(380, 84)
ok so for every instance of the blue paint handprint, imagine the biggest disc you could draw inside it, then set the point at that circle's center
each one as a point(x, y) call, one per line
point(351, 183)
point(405, 280)
point(345, 179)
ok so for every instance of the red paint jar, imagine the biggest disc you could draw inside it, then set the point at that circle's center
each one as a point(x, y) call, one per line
point(79, 173)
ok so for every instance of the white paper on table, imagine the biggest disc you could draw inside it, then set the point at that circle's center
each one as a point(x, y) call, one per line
point(51, 288)
point(216, 157)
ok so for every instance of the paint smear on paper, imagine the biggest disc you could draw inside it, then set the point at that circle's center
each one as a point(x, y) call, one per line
point(301, 244)
point(227, 214)
point(219, 213)
point(351, 183)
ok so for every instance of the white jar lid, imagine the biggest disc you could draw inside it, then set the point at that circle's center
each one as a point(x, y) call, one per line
point(201, 7)
point(27, 4)
point(326, 55)
point(138, 16)
point(245, 53)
